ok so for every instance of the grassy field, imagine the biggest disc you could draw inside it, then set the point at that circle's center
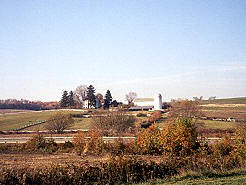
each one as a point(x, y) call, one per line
point(79, 123)
point(234, 180)
point(210, 124)
point(239, 100)
point(227, 178)
point(10, 120)
point(16, 120)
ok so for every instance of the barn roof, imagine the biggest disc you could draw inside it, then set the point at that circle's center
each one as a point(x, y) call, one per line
point(143, 99)
point(141, 108)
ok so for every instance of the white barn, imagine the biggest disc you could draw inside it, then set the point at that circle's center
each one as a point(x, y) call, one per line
point(144, 102)
point(148, 103)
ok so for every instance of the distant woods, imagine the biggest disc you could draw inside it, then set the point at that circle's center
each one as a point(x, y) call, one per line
point(27, 105)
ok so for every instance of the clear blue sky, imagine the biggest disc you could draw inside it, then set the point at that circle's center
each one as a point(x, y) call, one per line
point(178, 48)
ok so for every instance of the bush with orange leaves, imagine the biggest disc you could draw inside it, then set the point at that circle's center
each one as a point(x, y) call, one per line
point(91, 142)
point(177, 138)
point(148, 141)
point(240, 140)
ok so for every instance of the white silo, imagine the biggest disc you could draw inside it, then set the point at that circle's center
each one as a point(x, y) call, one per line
point(157, 102)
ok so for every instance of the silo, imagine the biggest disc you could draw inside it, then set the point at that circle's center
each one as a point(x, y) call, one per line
point(157, 102)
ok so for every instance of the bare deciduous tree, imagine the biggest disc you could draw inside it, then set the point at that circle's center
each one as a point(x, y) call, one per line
point(80, 95)
point(185, 108)
point(59, 122)
point(113, 122)
point(130, 97)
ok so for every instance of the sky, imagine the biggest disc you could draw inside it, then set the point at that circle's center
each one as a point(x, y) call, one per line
point(179, 48)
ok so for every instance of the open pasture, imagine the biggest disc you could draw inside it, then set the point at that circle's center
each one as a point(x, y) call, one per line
point(238, 178)
point(16, 120)
point(238, 100)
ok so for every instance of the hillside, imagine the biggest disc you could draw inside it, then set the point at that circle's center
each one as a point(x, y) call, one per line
point(238, 100)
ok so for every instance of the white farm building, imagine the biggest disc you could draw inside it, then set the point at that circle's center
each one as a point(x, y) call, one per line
point(148, 103)
point(144, 102)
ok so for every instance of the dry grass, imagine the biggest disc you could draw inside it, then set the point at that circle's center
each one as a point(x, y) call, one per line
point(46, 160)
point(11, 111)
point(210, 124)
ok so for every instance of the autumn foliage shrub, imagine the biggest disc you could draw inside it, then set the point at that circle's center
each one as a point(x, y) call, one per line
point(177, 138)
point(180, 137)
point(223, 147)
point(240, 139)
point(38, 143)
point(148, 141)
point(95, 142)
point(79, 142)
point(119, 147)
point(91, 142)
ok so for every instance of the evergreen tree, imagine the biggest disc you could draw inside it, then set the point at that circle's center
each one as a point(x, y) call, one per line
point(107, 100)
point(114, 103)
point(71, 99)
point(64, 101)
point(91, 96)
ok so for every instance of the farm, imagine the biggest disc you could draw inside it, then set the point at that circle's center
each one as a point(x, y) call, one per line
point(163, 148)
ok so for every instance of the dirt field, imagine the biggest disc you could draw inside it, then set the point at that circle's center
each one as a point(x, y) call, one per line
point(45, 160)
point(236, 111)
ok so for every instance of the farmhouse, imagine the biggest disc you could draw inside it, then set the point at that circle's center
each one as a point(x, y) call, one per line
point(97, 104)
point(148, 103)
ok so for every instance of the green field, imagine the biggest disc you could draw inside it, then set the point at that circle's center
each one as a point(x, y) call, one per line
point(17, 120)
point(79, 123)
point(210, 124)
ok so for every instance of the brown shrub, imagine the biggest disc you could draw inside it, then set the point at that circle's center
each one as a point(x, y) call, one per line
point(38, 143)
point(185, 108)
point(59, 122)
point(113, 123)
point(154, 116)
point(223, 147)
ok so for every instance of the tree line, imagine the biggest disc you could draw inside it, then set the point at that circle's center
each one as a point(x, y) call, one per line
point(27, 104)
